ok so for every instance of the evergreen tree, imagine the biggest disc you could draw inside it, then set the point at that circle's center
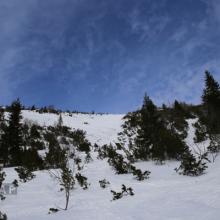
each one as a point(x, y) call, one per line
point(3, 216)
point(147, 131)
point(24, 174)
point(154, 140)
point(211, 103)
point(11, 141)
point(59, 127)
point(33, 108)
point(34, 133)
point(55, 154)
point(31, 159)
point(192, 166)
point(60, 121)
point(2, 178)
point(3, 146)
point(176, 119)
point(14, 134)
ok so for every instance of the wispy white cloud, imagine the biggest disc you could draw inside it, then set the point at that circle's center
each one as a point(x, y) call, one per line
point(179, 34)
point(213, 8)
point(149, 25)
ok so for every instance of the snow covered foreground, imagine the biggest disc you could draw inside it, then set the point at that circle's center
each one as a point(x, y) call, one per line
point(165, 196)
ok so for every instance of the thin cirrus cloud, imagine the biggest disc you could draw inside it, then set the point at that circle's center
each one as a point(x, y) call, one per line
point(103, 55)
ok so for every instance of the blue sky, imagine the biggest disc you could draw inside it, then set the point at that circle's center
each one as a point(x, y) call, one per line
point(103, 55)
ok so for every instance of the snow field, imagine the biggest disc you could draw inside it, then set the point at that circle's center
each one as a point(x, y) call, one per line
point(165, 196)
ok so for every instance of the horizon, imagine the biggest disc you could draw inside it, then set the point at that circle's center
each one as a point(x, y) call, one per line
point(103, 56)
point(76, 111)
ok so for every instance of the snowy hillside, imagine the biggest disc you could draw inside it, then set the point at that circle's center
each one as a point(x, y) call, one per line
point(100, 129)
point(165, 196)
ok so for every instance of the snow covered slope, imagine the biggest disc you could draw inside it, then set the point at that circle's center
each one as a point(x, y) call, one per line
point(165, 196)
point(100, 129)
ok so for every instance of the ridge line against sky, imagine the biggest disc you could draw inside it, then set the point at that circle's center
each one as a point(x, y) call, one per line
point(104, 55)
